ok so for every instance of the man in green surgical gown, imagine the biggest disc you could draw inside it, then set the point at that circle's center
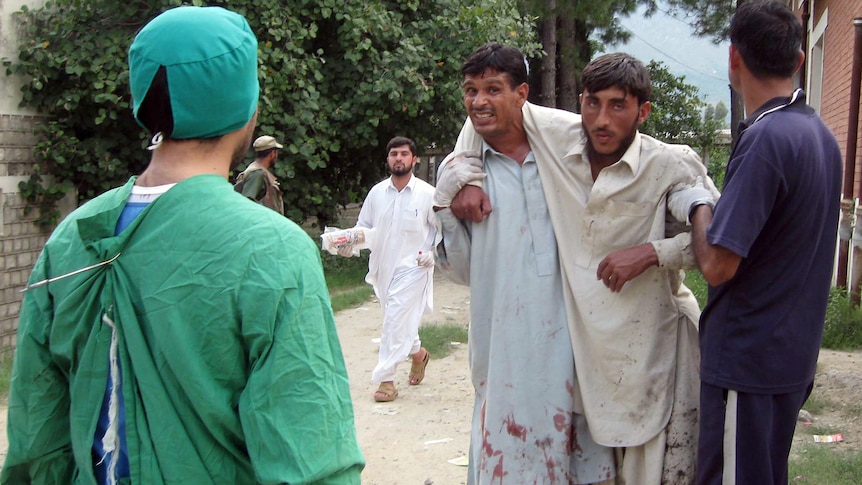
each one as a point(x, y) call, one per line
point(174, 331)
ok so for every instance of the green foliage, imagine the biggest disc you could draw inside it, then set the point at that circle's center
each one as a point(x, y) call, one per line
point(439, 338)
point(817, 405)
point(343, 272)
point(6, 359)
point(678, 111)
point(717, 113)
point(350, 298)
point(843, 329)
point(719, 155)
point(338, 80)
point(826, 464)
point(695, 282)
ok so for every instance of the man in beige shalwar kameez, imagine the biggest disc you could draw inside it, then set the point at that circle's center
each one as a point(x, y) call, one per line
point(610, 192)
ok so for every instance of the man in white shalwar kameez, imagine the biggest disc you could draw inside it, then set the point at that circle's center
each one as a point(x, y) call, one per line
point(610, 192)
point(527, 427)
point(401, 264)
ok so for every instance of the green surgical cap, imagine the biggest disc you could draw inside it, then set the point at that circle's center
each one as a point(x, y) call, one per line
point(210, 57)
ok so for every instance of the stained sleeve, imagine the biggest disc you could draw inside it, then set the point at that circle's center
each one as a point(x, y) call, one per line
point(675, 250)
point(454, 247)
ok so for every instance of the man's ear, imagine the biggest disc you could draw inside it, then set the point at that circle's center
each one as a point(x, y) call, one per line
point(643, 111)
point(799, 61)
point(734, 58)
point(523, 91)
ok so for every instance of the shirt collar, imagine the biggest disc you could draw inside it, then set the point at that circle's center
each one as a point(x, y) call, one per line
point(632, 155)
point(410, 183)
point(487, 148)
point(773, 105)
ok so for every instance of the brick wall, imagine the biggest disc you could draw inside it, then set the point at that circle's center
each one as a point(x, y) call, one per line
point(837, 63)
point(20, 239)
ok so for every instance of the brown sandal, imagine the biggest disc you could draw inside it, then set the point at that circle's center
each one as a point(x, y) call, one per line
point(386, 392)
point(417, 371)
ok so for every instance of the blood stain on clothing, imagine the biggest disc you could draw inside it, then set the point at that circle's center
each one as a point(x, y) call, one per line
point(552, 470)
point(498, 471)
point(562, 421)
point(515, 429)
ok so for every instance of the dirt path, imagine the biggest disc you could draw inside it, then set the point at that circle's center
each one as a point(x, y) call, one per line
point(411, 440)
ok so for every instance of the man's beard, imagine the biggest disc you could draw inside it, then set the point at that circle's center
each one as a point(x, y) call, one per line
point(398, 172)
point(618, 154)
point(240, 151)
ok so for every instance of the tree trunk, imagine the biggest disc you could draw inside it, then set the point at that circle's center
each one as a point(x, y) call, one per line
point(569, 72)
point(737, 108)
point(548, 95)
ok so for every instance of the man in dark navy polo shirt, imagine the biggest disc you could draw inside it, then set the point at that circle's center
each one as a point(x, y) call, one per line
point(767, 251)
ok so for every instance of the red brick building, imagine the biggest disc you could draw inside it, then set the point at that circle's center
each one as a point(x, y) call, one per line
point(827, 78)
point(827, 75)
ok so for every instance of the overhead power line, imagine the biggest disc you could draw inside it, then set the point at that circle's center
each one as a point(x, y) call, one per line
point(665, 54)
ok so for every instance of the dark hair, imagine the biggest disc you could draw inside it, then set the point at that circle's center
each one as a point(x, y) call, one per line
point(400, 141)
point(264, 153)
point(501, 58)
point(768, 36)
point(618, 70)
point(155, 112)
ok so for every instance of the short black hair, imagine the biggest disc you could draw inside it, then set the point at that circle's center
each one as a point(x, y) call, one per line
point(618, 70)
point(768, 36)
point(499, 57)
point(400, 141)
point(264, 153)
point(155, 112)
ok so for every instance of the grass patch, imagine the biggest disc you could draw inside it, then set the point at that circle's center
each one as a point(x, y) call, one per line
point(853, 411)
point(438, 338)
point(821, 430)
point(843, 329)
point(815, 405)
point(5, 374)
point(826, 464)
point(350, 298)
point(342, 273)
point(345, 278)
point(697, 284)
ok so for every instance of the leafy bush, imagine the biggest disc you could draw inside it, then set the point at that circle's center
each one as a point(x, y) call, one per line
point(718, 158)
point(843, 329)
point(339, 78)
